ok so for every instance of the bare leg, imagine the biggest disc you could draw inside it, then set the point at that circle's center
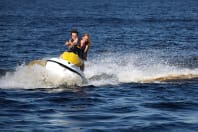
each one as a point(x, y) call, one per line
point(82, 67)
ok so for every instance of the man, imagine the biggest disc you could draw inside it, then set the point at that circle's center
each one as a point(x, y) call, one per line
point(74, 44)
point(74, 41)
point(79, 47)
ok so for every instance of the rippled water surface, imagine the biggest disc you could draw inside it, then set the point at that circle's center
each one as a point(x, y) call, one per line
point(142, 68)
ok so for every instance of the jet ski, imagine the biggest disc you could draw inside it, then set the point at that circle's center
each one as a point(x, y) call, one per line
point(67, 67)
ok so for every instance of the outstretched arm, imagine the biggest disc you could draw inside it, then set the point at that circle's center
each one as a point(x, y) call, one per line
point(70, 43)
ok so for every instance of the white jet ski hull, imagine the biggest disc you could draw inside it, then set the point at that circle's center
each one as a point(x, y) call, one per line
point(62, 71)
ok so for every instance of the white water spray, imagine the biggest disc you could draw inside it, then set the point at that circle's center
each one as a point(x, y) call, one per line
point(102, 70)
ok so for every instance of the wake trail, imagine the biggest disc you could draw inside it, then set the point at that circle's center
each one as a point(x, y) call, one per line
point(171, 77)
point(130, 68)
point(101, 70)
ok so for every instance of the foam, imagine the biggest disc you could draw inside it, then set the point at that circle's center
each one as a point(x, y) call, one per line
point(24, 77)
point(35, 76)
point(130, 68)
point(106, 69)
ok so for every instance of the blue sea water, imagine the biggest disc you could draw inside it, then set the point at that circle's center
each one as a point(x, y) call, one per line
point(142, 68)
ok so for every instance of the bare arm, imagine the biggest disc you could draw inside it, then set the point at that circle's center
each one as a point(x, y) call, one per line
point(70, 43)
point(85, 52)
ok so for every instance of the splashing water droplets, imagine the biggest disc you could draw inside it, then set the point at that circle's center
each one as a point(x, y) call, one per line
point(104, 69)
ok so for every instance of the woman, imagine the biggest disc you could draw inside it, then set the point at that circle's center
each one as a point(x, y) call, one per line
point(85, 44)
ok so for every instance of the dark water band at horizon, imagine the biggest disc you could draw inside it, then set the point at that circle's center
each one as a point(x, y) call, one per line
point(132, 42)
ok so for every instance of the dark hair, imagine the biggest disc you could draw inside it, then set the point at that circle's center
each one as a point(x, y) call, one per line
point(74, 31)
